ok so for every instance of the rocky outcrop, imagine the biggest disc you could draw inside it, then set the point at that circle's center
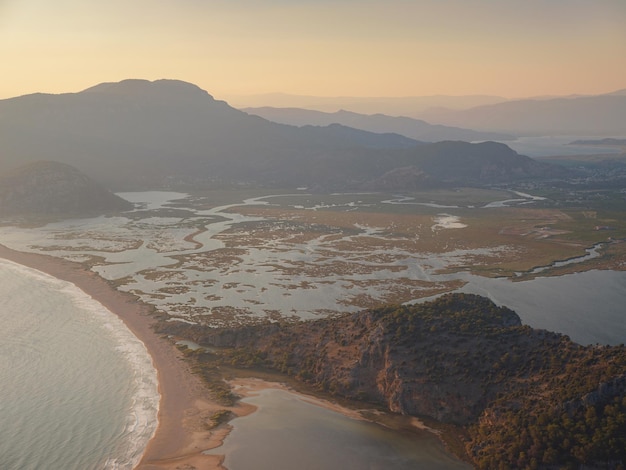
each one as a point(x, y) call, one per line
point(412, 359)
point(604, 393)
point(526, 398)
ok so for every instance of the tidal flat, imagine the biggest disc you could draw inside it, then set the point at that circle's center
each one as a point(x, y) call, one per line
point(224, 258)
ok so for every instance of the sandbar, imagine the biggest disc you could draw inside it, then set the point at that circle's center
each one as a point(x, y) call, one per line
point(185, 406)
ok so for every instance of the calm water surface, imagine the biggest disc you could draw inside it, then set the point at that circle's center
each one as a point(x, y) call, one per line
point(288, 433)
point(589, 307)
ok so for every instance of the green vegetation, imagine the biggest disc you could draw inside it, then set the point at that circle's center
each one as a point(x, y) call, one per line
point(219, 417)
point(541, 437)
point(203, 364)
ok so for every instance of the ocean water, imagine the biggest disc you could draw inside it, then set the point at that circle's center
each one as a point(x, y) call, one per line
point(77, 389)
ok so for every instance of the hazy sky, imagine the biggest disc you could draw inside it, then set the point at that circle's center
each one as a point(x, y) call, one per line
point(512, 48)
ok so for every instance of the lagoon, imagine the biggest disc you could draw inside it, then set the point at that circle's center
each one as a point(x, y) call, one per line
point(288, 432)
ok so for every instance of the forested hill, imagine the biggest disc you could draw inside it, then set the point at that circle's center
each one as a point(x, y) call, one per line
point(527, 398)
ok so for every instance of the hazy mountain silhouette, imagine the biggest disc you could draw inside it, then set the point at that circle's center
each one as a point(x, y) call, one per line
point(134, 132)
point(602, 115)
point(54, 188)
point(138, 134)
point(409, 127)
point(392, 106)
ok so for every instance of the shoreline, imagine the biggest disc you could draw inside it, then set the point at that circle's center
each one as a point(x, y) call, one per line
point(185, 406)
point(183, 432)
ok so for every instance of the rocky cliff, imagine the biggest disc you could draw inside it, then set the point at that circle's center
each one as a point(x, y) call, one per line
point(460, 359)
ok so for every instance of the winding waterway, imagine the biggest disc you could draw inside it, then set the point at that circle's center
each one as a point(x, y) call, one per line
point(589, 307)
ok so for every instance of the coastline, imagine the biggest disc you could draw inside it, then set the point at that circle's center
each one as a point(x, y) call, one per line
point(183, 432)
point(185, 406)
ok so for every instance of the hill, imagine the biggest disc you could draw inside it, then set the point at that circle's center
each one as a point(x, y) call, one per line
point(138, 134)
point(525, 398)
point(484, 163)
point(409, 127)
point(54, 188)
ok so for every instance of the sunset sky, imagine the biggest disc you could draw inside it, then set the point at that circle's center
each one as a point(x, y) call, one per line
point(511, 48)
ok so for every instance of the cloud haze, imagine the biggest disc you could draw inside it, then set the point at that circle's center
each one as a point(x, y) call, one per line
point(349, 47)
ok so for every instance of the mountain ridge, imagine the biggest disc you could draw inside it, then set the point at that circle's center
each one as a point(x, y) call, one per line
point(399, 106)
point(582, 115)
point(138, 134)
point(380, 123)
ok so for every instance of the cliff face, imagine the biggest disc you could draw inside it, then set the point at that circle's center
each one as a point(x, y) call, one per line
point(419, 360)
point(54, 188)
point(528, 398)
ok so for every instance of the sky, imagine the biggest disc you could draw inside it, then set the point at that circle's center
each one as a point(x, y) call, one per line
point(509, 48)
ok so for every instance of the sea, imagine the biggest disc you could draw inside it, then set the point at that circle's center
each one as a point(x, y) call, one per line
point(77, 389)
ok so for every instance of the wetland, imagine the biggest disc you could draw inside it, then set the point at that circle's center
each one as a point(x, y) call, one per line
point(232, 258)
point(225, 258)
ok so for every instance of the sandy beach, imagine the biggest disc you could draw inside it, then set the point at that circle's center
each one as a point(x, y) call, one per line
point(185, 406)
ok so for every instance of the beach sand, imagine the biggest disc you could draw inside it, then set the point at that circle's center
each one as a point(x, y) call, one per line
point(185, 406)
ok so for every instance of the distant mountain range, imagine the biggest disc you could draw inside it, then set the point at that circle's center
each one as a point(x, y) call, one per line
point(602, 115)
point(609, 142)
point(169, 134)
point(392, 106)
point(409, 127)
point(54, 188)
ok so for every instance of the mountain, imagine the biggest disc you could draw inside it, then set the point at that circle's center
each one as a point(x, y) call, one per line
point(409, 127)
point(602, 115)
point(617, 93)
point(609, 142)
point(394, 106)
point(54, 188)
point(138, 134)
point(524, 398)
